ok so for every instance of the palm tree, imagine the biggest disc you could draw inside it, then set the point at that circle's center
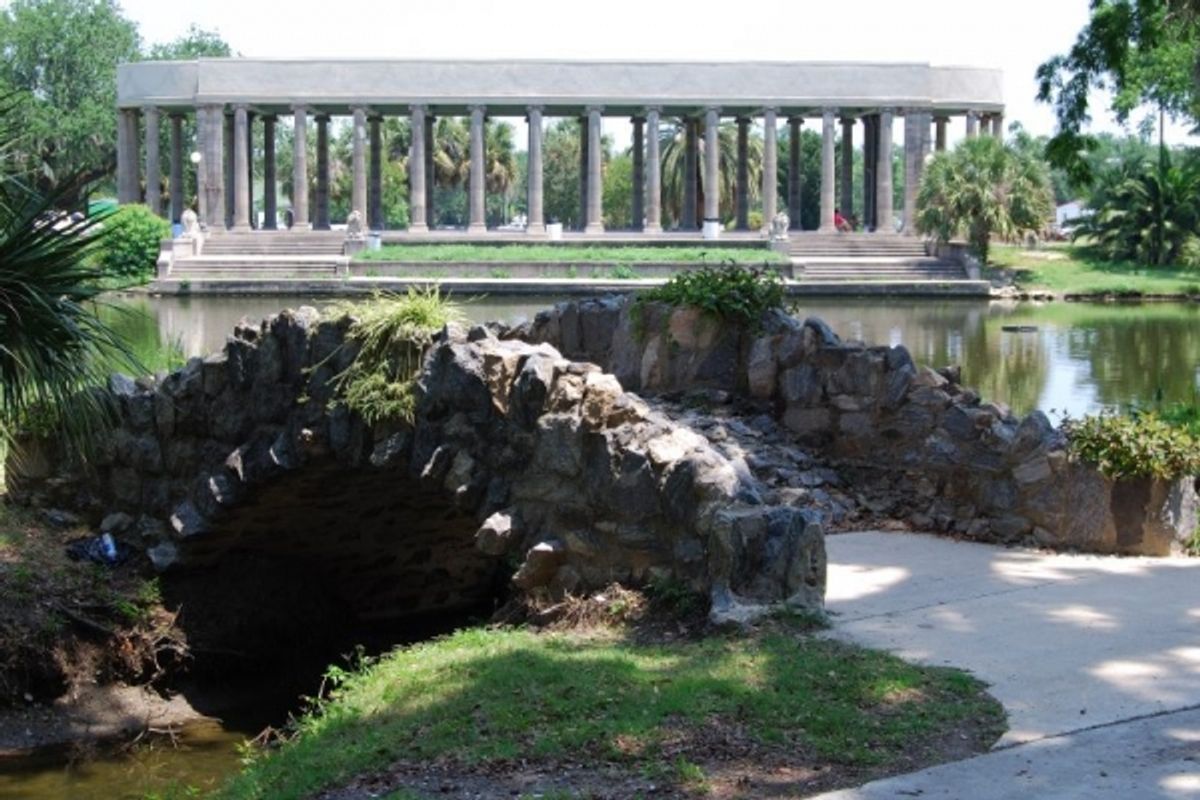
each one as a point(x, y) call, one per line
point(673, 146)
point(54, 349)
point(1147, 216)
point(983, 188)
point(451, 153)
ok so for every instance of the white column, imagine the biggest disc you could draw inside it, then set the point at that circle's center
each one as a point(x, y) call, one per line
point(212, 164)
point(770, 179)
point(478, 220)
point(595, 187)
point(127, 156)
point(535, 222)
point(153, 163)
point(828, 134)
point(940, 123)
point(972, 124)
point(300, 169)
point(883, 199)
point(653, 172)
point(358, 192)
point(912, 167)
point(241, 169)
point(417, 213)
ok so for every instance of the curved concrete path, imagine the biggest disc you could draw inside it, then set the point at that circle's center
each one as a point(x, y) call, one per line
point(1096, 659)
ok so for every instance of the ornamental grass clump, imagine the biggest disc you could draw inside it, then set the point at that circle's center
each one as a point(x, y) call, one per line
point(730, 292)
point(392, 332)
point(1137, 446)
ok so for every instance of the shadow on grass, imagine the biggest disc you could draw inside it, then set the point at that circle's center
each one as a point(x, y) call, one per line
point(485, 697)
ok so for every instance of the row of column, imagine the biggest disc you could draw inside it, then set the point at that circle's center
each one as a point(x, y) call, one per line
point(225, 183)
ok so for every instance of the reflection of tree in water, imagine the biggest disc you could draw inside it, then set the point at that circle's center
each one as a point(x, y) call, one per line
point(1010, 369)
point(1139, 355)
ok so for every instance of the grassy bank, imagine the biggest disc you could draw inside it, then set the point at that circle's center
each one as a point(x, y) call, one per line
point(575, 254)
point(683, 714)
point(1074, 269)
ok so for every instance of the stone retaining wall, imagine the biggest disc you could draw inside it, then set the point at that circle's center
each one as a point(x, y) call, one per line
point(978, 470)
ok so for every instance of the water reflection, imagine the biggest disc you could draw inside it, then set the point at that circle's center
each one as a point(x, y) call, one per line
point(1081, 357)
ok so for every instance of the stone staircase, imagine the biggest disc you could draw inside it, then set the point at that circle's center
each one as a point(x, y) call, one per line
point(264, 255)
point(857, 257)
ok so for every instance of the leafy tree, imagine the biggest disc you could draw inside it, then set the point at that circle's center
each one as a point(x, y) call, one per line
point(618, 192)
point(63, 55)
point(983, 188)
point(195, 43)
point(810, 170)
point(560, 170)
point(1032, 146)
point(1146, 51)
point(131, 242)
point(1148, 215)
point(500, 167)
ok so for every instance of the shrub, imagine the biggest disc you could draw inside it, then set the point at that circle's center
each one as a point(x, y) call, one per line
point(1139, 445)
point(730, 292)
point(129, 248)
point(391, 332)
point(983, 189)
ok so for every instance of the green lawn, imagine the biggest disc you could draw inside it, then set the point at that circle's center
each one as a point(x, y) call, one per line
point(1074, 269)
point(580, 254)
point(496, 696)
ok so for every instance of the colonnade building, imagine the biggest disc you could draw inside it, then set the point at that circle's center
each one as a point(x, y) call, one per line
point(229, 96)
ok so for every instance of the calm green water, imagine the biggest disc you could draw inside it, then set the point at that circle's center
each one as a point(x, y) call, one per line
point(202, 755)
point(1082, 358)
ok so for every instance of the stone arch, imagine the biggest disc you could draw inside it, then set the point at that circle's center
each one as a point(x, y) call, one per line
point(561, 480)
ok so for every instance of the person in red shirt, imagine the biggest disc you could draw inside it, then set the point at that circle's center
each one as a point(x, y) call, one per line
point(840, 222)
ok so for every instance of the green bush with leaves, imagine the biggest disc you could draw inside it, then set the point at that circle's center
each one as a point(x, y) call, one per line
point(730, 292)
point(391, 332)
point(984, 188)
point(131, 241)
point(1134, 446)
point(1148, 216)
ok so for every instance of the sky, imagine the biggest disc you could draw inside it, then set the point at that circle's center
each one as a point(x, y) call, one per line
point(1013, 35)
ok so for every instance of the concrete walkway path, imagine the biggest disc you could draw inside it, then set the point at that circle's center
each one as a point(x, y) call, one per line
point(1096, 660)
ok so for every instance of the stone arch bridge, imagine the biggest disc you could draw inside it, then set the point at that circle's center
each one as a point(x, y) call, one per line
point(521, 469)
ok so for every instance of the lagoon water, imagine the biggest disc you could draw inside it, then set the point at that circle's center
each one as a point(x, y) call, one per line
point(1081, 358)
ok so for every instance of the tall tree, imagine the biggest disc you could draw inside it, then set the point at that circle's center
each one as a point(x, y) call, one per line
point(1147, 52)
point(560, 167)
point(63, 55)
